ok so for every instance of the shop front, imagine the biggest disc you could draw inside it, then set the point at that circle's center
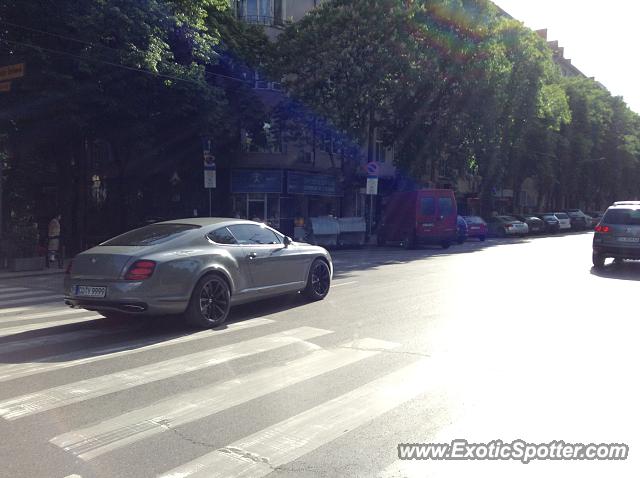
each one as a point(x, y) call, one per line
point(282, 198)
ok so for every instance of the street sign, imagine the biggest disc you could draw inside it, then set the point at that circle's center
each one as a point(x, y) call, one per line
point(209, 161)
point(209, 178)
point(372, 185)
point(11, 72)
point(372, 169)
point(6, 86)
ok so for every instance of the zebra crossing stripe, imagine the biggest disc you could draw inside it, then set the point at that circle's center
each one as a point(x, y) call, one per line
point(26, 293)
point(32, 403)
point(263, 452)
point(62, 337)
point(44, 315)
point(19, 329)
point(12, 289)
point(32, 300)
point(80, 357)
point(96, 440)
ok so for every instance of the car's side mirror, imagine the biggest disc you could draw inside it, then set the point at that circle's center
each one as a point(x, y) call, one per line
point(287, 241)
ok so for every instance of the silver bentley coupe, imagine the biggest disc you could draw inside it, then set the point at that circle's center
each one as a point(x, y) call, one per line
point(195, 267)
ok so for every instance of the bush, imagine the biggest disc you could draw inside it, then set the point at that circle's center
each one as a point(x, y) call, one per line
point(21, 239)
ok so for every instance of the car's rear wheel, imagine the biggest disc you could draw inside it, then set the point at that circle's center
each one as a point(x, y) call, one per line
point(445, 244)
point(210, 302)
point(318, 281)
point(482, 238)
point(598, 260)
point(618, 261)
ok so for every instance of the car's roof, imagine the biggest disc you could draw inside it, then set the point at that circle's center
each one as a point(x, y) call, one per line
point(207, 221)
point(626, 204)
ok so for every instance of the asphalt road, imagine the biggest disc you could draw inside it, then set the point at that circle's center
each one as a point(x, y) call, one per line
point(507, 339)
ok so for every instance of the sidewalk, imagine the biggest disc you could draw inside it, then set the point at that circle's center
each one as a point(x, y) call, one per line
point(53, 270)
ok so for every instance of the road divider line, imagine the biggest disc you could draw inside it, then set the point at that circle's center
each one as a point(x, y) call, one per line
point(261, 453)
point(93, 441)
point(32, 403)
point(85, 356)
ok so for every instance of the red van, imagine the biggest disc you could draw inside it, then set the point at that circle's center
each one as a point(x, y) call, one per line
point(419, 217)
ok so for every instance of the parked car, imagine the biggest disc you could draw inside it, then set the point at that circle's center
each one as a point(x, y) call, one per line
point(427, 216)
point(198, 267)
point(502, 226)
point(563, 219)
point(618, 234)
point(476, 227)
point(551, 222)
point(595, 217)
point(535, 224)
point(578, 219)
point(462, 230)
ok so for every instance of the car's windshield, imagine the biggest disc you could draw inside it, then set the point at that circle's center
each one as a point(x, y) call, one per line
point(561, 215)
point(150, 235)
point(623, 217)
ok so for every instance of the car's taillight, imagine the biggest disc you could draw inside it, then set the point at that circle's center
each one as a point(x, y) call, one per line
point(140, 270)
point(602, 228)
point(68, 269)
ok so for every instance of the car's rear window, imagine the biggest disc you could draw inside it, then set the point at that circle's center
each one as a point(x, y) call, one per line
point(474, 219)
point(550, 217)
point(150, 235)
point(508, 218)
point(624, 217)
point(561, 215)
point(427, 206)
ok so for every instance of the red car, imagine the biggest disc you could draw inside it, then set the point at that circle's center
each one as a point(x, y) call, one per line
point(476, 227)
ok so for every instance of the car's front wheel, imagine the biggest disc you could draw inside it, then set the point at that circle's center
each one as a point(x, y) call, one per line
point(598, 260)
point(210, 302)
point(318, 281)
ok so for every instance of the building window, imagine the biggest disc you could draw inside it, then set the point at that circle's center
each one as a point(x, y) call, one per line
point(257, 11)
point(381, 152)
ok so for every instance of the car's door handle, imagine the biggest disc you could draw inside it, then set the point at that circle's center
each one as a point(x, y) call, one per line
point(253, 255)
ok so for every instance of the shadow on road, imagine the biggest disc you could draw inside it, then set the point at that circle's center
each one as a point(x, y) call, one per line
point(101, 336)
point(628, 270)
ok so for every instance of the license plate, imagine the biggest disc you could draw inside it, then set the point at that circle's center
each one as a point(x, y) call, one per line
point(89, 291)
point(629, 239)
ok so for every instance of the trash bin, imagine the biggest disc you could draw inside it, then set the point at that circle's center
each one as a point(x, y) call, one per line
point(324, 231)
point(352, 231)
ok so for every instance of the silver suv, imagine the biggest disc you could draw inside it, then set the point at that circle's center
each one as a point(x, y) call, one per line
point(618, 233)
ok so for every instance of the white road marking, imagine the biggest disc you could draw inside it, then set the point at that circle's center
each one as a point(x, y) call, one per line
point(42, 315)
point(19, 329)
point(338, 284)
point(12, 289)
point(24, 344)
point(15, 310)
point(261, 453)
point(32, 403)
point(20, 294)
point(31, 300)
point(96, 440)
point(80, 357)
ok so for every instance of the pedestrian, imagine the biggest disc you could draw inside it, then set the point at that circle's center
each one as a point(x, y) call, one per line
point(53, 246)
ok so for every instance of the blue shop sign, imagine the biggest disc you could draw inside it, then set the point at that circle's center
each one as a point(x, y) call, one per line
point(256, 181)
point(312, 184)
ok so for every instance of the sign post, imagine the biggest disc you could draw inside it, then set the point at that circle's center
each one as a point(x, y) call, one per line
point(372, 189)
point(209, 170)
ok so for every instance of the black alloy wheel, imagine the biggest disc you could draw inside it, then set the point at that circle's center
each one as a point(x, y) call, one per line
point(210, 302)
point(319, 281)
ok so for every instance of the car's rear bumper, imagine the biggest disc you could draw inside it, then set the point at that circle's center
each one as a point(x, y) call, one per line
point(617, 251)
point(436, 239)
